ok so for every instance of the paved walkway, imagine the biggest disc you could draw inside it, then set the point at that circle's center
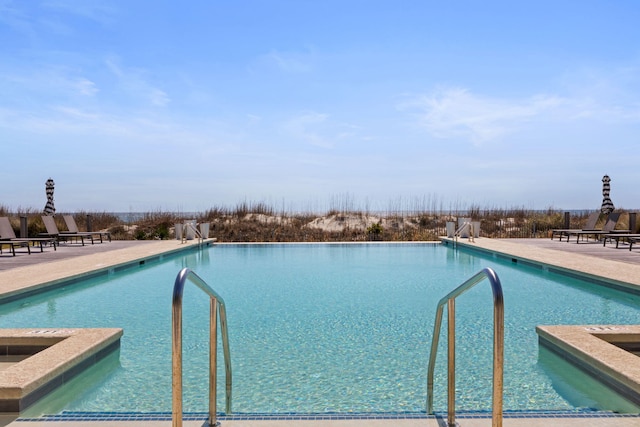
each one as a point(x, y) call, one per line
point(592, 248)
point(25, 271)
point(70, 251)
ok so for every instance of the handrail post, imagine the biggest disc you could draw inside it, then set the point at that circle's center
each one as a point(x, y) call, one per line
point(213, 360)
point(498, 357)
point(227, 358)
point(451, 356)
point(432, 358)
point(176, 358)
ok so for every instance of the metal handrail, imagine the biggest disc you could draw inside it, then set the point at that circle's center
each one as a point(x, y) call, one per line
point(498, 346)
point(196, 232)
point(215, 302)
point(468, 225)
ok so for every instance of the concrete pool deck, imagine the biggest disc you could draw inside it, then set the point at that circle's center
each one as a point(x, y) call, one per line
point(28, 271)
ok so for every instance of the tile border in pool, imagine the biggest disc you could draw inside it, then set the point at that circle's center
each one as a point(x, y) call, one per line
point(200, 416)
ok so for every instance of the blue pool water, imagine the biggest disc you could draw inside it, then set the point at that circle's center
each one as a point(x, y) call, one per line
point(327, 328)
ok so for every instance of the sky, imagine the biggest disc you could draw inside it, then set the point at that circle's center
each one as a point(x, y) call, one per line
point(147, 105)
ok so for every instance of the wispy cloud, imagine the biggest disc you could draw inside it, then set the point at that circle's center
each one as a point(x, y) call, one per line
point(47, 82)
point(16, 19)
point(100, 11)
point(33, 20)
point(318, 129)
point(288, 62)
point(134, 83)
point(307, 128)
point(86, 87)
point(458, 113)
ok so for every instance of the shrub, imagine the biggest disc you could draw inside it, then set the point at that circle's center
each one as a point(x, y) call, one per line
point(375, 231)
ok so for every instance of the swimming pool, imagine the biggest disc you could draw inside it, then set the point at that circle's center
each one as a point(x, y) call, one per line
point(327, 328)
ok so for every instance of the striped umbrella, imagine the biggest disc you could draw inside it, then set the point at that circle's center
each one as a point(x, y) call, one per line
point(49, 209)
point(607, 204)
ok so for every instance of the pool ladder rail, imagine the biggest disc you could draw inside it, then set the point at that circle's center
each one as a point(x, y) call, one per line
point(217, 309)
point(498, 346)
point(190, 226)
point(467, 227)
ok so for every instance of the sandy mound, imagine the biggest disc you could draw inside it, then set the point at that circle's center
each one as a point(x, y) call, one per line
point(267, 219)
point(342, 222)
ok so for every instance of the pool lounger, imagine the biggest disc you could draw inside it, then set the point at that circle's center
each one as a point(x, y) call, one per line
point(590, 225)
point(8, 237)
point(53, 232)
point(609, 228)
point(630, 238)
point(73, 228)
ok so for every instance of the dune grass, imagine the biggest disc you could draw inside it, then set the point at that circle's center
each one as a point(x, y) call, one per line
point(261, 222)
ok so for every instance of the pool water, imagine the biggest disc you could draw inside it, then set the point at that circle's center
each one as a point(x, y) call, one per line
point(327, 328)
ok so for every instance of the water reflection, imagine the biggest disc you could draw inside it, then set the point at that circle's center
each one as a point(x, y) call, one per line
point(85, 384)
point(580, 389)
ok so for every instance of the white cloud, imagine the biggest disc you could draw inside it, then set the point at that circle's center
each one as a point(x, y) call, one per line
point(158, 97)
point(307, 128)
point(254, 118)
point(75, 113)
point(288, 62)
point(133, 81)
point(113, 64)
point(318, 129)
point(459, 113)
point(16, 19)
point(456, 112)
point(96, 10)
point(33, 20)
point(86, 87)
point(49, 84)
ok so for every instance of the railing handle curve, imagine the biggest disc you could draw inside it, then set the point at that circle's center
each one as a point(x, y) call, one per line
point(217, 309)
point(498, 345)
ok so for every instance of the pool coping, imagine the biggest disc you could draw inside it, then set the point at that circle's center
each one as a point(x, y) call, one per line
point(59, 355)
point(23, 281)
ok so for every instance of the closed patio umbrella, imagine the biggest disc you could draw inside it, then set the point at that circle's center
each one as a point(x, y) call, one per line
point(49, 209)
point(607, 205)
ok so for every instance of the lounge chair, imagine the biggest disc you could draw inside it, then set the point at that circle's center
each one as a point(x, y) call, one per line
point(592, 220)
point(52, 231)
point(73, 228)
point(628, 237)
point(12, 247)
point(608, 228)
point(8, 237)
